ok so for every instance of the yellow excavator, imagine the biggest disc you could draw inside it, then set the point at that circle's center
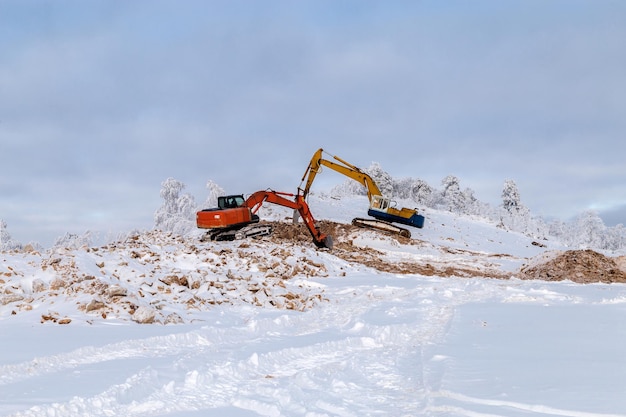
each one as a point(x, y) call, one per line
point(381, 208)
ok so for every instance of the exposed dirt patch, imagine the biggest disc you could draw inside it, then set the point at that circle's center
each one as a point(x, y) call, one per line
point(375, 259)
point(343, 235)
point(583, 266)
point(340, 232)
point(293, 232)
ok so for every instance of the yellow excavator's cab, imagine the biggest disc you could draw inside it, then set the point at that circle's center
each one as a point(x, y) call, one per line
point(380, 203)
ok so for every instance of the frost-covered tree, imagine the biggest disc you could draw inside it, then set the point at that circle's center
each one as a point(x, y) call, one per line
point(402, 187)
point(441, 197)
point(177, 214)
point(214, 192)
point(511, 200)
point(453, 199)
point(615, 238)
point(472, 205)
point(421, 192)
point(6, 242)
point(588, 231)
point(348, 188)
point(414, 189)
point(74, 241)
point(353, 187)
point(383, 180)
point(514, 215)
point(558, 229)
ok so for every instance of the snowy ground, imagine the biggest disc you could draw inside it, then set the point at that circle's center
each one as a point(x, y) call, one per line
point(275, 327)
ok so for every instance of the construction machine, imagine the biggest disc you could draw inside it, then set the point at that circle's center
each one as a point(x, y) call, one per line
point(236, 218)
point(381, 208)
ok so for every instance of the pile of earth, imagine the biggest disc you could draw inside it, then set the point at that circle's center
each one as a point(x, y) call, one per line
point(582, 266)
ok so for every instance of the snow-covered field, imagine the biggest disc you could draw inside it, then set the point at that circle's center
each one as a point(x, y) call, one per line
point(436, 326)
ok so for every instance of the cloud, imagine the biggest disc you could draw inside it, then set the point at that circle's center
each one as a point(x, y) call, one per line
point(614, 216)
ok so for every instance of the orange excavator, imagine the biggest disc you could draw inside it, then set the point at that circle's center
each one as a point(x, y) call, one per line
point(236, 218)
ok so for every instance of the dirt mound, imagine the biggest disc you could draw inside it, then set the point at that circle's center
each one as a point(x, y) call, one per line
point(582, 266)
point(289, 231)
point(298, 232)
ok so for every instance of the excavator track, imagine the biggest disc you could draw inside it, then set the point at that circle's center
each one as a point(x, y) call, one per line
point(381, 225)
point(253, 230)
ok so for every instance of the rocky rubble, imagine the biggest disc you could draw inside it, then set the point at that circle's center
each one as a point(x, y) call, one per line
point(159, 277)
point(156, 277)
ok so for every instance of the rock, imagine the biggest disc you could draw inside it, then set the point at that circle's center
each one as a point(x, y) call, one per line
point(173, 318)
point(10, 298)
point(57, 283)
point(94, 305)
point(116, 291)
point(144, 315)
point(38, 285)
point(175, 280)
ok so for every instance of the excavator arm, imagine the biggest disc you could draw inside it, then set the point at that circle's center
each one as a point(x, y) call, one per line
point(257, 199)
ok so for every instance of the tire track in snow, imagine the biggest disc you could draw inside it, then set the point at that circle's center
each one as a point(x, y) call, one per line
point(246, 383)
point(362, 353)
point(500, 405)
point(158, 346)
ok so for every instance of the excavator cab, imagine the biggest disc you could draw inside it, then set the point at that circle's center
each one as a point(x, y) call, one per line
point(380, 203)
point(230, 201)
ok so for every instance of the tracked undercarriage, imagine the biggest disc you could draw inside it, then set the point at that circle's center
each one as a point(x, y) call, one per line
point(252, 230)
point(382, 226)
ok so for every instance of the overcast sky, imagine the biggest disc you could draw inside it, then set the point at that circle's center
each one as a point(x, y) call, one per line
point(102, 100)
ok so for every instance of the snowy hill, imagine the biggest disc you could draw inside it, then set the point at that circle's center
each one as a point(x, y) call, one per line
point(446, 323)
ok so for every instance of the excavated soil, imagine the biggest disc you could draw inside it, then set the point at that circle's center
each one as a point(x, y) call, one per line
point(372, 258)
point(582, 266)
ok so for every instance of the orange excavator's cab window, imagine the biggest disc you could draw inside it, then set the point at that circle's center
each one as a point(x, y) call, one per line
point(239, 201)
point(231, 201)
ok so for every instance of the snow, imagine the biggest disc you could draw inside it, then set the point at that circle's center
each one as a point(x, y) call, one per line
point(275, 328)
